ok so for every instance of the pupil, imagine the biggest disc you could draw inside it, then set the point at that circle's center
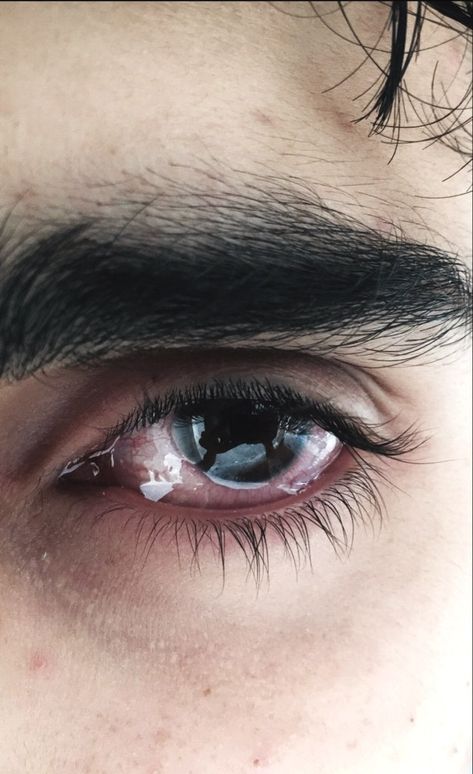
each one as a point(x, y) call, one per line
point(233, 426)
point(236, 444)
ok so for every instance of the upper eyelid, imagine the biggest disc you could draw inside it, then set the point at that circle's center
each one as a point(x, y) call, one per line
point(93, 401)
point(354, 432)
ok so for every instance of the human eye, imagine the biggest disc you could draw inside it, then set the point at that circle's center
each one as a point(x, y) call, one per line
point(238, 458)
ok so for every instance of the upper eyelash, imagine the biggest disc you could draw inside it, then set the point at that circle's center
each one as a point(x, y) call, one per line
point(296, 411)
point(357, 493)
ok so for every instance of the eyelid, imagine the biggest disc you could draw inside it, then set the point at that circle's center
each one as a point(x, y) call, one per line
point(350, 431)
point(352, 434)
point(73, 409)
point(336, 505)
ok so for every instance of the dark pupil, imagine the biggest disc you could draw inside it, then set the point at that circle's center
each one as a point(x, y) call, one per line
point(232, 426)
point(237, 442)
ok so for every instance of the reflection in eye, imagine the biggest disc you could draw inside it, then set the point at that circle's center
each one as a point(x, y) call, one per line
point(224, 454)
point(228, 454)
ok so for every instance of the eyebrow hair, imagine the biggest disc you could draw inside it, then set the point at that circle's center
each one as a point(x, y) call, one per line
point(220, 269)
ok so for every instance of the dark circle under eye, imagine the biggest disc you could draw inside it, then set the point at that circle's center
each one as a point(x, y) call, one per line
point(237, 443)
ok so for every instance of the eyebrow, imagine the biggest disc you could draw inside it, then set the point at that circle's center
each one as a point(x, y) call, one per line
point(220, 270)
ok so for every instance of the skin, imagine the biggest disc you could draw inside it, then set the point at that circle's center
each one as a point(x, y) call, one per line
point(360, 666)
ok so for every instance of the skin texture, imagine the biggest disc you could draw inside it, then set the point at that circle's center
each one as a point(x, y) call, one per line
point(360, 666)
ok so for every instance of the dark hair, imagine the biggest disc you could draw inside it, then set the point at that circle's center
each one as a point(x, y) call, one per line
point(450, 124)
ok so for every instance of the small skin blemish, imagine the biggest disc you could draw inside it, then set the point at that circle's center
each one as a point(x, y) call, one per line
point(262, 118)
point(260, 762)
point(161, 736)
point(207, 691)
point(37, 662)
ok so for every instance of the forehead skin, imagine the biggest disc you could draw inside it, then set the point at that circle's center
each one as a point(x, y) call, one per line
point(99, 102)
point(107, 92)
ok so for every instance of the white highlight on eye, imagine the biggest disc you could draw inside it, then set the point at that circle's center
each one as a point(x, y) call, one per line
point(321, 448)
point(75, 464)
point(156, 488)
point(294, 489)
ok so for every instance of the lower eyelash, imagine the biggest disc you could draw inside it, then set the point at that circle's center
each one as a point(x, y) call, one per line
point(353, 500)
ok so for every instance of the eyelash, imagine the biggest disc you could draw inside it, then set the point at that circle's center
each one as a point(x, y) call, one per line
point(357, 493)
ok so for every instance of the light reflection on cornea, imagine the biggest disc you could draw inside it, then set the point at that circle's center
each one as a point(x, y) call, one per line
point(155, 489)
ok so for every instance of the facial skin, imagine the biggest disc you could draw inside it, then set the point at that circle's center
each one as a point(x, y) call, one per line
point(109, 664)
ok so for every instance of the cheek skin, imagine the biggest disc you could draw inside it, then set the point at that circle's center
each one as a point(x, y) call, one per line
point(256, 695)
point(341, 638)
point(302, 673)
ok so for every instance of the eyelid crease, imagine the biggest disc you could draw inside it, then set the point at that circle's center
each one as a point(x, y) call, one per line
point(351, 431)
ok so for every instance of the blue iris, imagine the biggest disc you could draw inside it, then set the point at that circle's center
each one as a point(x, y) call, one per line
point(238, 446)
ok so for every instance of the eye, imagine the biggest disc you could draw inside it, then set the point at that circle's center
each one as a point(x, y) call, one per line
point(224, 445)
point(231, 461)
point(219, 454)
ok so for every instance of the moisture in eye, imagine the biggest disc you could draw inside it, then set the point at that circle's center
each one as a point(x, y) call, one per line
point(230, 455)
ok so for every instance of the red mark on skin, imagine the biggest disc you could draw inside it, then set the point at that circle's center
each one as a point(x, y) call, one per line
point(262, 118)
point(37, 662)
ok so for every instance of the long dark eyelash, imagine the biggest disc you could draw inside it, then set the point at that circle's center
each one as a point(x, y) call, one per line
point(296, 412)
point(447, 123)
point(357, 494)
point(355, 499)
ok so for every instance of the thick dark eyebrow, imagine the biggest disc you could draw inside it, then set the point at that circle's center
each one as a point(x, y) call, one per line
point(221, 270)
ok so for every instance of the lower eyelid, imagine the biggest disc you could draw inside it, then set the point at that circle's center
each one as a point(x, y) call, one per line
point(117, 520)
point(115, 496)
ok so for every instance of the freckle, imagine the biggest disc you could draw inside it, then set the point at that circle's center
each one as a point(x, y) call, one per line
point(351, 745)
point(37, 662)
point(256, 762)
point(411, 720)
point(207, 691)
point(113, 729)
